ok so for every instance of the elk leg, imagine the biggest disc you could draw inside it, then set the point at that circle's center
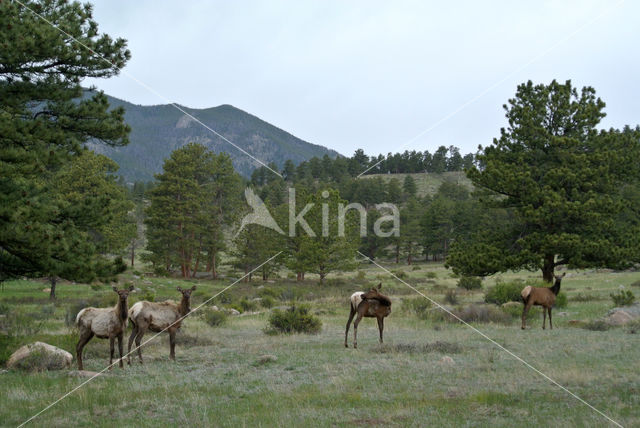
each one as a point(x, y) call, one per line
point(138, 340)
point(134, 332)
point(550, 325)
point(355, 330)
point(172, 344)
point(524, 314)
point(346, 332)
point(381, 327)
point(112, 342)
point(544, 317)
point(120, 347)
point(84, 338)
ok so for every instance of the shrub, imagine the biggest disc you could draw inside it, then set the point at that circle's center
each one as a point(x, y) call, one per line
point(504, 292)
point(632, 327)
point(267, 302)
point(399, 273)
point(470, 282)
point(484, 314)
point(248, 305)
point(214, 318)
point(581, 297)
point(361, 275)
point(267, 292)
point(597, 325)
point(431, 275)
point(451, 297)
point(291, 294)
point(623, 298)
point(635, 284)
point(415, 267)
point(296, 319)
point(96, 286)
point(561, 300)
point(419, 306)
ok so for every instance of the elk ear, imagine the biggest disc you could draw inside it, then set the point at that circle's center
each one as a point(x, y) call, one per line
point(379, 286)
point(179, 289)
point(131, 287)
point(193, 288)
point(115, 288)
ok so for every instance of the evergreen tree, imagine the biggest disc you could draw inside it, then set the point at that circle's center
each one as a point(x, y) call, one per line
point(45, 117)
point(560, 180)
point(196, 197)
point(409, 186)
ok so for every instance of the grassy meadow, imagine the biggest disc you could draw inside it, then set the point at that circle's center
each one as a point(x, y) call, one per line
point(430, 371)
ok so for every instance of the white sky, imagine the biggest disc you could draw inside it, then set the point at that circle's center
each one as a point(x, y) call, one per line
point(373, 75)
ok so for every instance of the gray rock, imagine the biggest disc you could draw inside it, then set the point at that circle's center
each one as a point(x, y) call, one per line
point(39, 356)
point(621, 316)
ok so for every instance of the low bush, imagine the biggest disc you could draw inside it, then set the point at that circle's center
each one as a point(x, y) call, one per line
point(267, 302)
point(399, 273)
point(431, 275)
point(415, 267)
point(635, 284)
point(623, 298)
point(267, 292)
point(248, 305)
point(214, 318)
point(632, 327)
point(451, 297)
point(418, 306)
point(361, 275)
point(561, 300)
point(296, 319)
point(581, 297)
point(470, 282)
point(504, 292)
point(596, 325)
point(483, 314)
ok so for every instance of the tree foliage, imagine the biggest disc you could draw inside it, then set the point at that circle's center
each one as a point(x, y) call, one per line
point(45, 118)
point(559, 180)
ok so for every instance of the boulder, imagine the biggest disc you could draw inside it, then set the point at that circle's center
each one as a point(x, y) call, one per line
point(447, 361)
point(234, 311)
point(622, 315)
point(264, 359)
point(40, 356)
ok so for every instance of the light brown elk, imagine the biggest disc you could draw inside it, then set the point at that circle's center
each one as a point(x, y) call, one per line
point(370, 304)
point(540, 296)
point(105, 323)
point(158, 317)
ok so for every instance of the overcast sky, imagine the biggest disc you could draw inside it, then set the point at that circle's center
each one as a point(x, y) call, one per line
point(375, 75)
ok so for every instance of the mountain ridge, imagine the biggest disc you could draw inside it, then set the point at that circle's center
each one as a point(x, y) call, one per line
point(159, 129)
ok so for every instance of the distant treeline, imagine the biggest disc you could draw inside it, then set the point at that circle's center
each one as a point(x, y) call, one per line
point(335, 170)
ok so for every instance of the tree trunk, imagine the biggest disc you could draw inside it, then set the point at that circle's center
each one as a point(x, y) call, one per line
point(52, 293)
point(397, 253)
point(214, 271)
point(548, 267)
point(133, 251)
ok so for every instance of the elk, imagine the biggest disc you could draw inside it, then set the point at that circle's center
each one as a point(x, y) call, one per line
point(541, 296)
point(158, 317)
point(105, 323)
point(370, 304)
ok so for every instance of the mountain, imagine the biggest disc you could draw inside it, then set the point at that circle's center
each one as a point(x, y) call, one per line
point(158, 130)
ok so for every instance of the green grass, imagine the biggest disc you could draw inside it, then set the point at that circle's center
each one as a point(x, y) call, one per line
point(217, 380)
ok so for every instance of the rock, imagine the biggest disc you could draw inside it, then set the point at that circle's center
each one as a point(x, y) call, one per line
point(512, 305)
point(563, 314)
point(215, 308)
point(46, 290)
point(82, 373)
point(136, 276)
point(40, 356)
point(447, 360)
point(147, 282)
point(264, 359)
point(621, 316)
point(234, 311)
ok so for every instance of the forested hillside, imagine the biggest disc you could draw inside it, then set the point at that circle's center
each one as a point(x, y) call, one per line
point(158, 130)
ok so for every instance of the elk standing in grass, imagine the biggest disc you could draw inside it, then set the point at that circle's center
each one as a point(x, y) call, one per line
point(103, 323)
point(540, 296)
point(158, 317)
point(369, 304)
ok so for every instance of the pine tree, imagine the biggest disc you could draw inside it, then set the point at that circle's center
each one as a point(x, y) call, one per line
point(559, 179)
point(45, 117)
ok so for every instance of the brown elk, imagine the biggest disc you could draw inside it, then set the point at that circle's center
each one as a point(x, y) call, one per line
point(158, 317)
point(370, 304)
point(105, 323)
point(540, 296)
